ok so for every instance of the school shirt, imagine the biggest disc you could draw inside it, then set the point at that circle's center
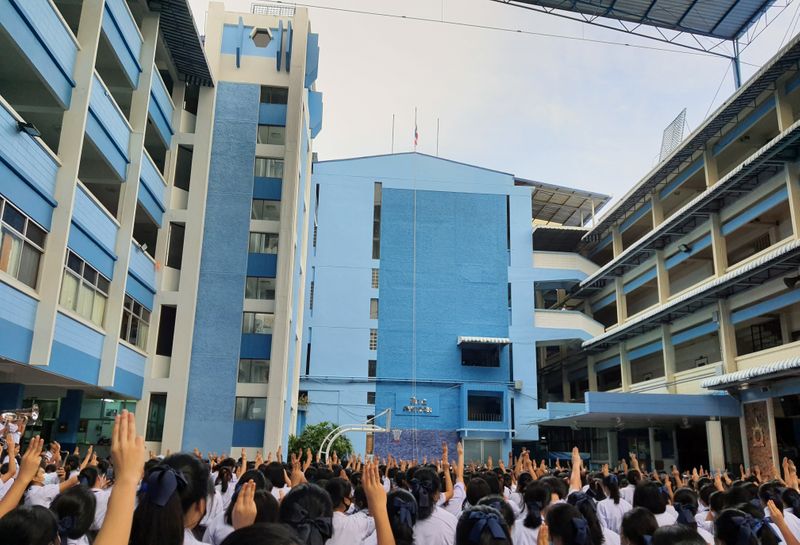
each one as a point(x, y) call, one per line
point(279, 493)
point(214, 508)
point(41, 495)
point(189, 539)
point(83, 540)
point(456, 502)
point(437, 529)
point(610, 513)
point(707, 525)
point(707, 537)
point(226, 496)
point(101, 506)
point(610, 537)
point(5, 487)
point(791, 521)
point(627, 493)
point(522, 535)
point(217, 530)
point(350, 529)
point(666, 518)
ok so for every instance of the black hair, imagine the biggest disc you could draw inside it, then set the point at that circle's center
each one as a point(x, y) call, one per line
point(479, 514)
point(537, 497)
point(595, 489)
point(716, 501)
point(477, 488)
point(771, 491)
point(677, 534)
point(611, 482)
point(274, 472)
point(224, 476)
point(728, 527)
point(634, 476)
point(791, 498)
point(74, 511)
point(72, 463)
point(261, 482)
point(648, 494)
point(586, 507)
point(638, 523)
point(303, 505)
point(311, 474)
point(705, 493)
point(360, 498)
point(400, 502)
point(741, 492)
point(557, 486)
point(425, 486)
point(685, 502)
point(523, 481)
point(29, 525)
point(563, 522)
point(339, 490)
point(257, 534)
point(493, 482)
point(88, 477)
point(164, 525)
point(499, 503)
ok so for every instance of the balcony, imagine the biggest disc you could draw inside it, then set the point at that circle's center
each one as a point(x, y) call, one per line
point(688, 382)
point(141, 276)
point(152, 189)
point(161, 108)
point(559, 266)
point(124, 38)
point(484, 409)
point(565, 324)
point(94, 220)
point(129, 373)
point(108, 129)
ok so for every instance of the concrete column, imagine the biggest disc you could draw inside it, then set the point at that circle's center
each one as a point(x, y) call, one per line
point(783, 109)
point(622, 306)
point(655, 446)
point(662, 277)
point(11, 396)
point(616, 240)
point(625, 367)
point(669, 358)
point(70, 147)
point(718, 246)
point(565, 387)
point(140, 100)
point(711, 170)
point(727, 336)
point(716, 447)
point(613, 447)
point(657, 209)
point(69, 416)
point(592, 374)
point(792, 174)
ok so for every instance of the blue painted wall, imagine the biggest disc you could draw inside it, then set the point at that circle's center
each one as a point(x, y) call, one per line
point(218, 319)
point(17, 315)
point(76, 350)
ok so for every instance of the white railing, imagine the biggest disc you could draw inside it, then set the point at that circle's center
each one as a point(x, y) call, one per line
point(563, 261)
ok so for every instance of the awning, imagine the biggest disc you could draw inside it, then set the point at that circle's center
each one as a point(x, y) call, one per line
point(762, 373)
point(483, 340)
point(617, 409)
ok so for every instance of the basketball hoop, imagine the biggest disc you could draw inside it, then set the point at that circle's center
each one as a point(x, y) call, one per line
point(396, 435)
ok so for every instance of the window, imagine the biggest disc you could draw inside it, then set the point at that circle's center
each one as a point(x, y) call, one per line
point(251, 408)
point(480, 355)
point(263, 243)
point(373, 339)
point(260, 288)
point(372, 368)
point(376, 221)
point(265, 210)
point(155, 417)
point(21, 244)
point(254, 371)
point(271, 134)
point(84, 290)
point(268, 168)
point(375, 278)
point(373, 309)
point(311, 296)
point(135, 323)
point(175, 247)
point(166, 330)
point(370, 398)
point(274, 95)
point(258, 323)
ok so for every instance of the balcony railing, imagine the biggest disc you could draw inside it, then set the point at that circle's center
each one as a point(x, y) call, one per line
point(161, 108)
point(94, 219)
point(107, 127)
point(484, 417)
point(567, 324)
point(567, 263)
point(124, 36)
point(152, 192)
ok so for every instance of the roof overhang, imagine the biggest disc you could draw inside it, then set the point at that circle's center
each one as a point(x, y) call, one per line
point(484, 340)
point(555, 204)
point(618, 410)
point(183, 42)
point(763, 373)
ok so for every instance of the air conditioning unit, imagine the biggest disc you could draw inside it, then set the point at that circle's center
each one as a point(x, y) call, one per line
point(518, 385)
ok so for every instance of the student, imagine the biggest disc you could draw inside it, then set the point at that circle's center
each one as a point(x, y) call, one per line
point(90, 478)
point(172, 503)
point(611, 510)
point(652, 496)
point(502, 506)
point(772, 491)
point(736, 527)
point(347, 529)
point(677, 534)
point(307, 508)
point(221, 526)
point(43, 494)
point(29, 525)
point(637, 527)
point(626, 492)
point(482, 525)
point(518, 495)
point(685, 503)
point(566, 526)
point(276, 474)
point(75, 513)
point(585, 505)
point(262, 534)
point(536, 499)
point(402, 510)
point(435, 526)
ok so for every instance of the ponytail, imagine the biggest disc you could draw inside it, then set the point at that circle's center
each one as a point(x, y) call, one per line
point(425, 487)
point(611, 482)
point(537, 497)
point(224, 477)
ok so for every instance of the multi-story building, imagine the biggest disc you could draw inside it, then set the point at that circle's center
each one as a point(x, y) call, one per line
point(421, 300)
point(691, 279)
point(153, 194)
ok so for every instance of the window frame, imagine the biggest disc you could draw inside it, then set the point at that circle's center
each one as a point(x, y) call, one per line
point(82, 280)
point(258, 288)
point(134, 313)
point(249, 323)
point(268, 167)
point(249, 403)
point(262, 243)
point(259, 205)
point(246, 369)
point(25, 240)
point(269, 138)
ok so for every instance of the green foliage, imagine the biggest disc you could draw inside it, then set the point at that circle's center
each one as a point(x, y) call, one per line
point(312, 438)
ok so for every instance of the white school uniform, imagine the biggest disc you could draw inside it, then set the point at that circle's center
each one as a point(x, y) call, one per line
point(610, 537)
point(189, 539)
point(214, 508)
point(437, 529)
point(791, 521)
point(707, 536)
point(5, 487)
point(610, 513)
point(217, 530)
point(627, 493)
point(666, 518)
point(350, 529)
point(101, 506)
point(41, 495)
point(279, 493)
point(226, 496)
point(456, 502)
point(83, 540)
point(522, 535)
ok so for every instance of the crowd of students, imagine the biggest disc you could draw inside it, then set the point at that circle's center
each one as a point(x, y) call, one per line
point(47, 498)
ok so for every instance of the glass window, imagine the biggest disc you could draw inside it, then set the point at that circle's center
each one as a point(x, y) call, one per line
point(177, 232)
point(271, 134)
point(370, 398)
point(260, 288)
point(251, 408)
point(373, 309)
point(155, 417)
point(375, 278)
point(258, 323)
point(84, 290)
point(263, 243)
point(254, 371)
point(266, 210)
point(274, 95)
point(373, 339)
point(372, 368)
point(135, 323)
point(21, 244)
point(268, 168)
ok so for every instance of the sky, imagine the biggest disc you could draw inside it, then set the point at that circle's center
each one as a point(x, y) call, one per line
point(564, 111)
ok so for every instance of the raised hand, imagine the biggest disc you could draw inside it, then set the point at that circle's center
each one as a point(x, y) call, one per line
point(245, 511)
point(87, 459)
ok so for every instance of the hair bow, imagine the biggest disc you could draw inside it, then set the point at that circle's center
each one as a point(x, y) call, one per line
point(406, 511)
point(161, 483)
point(484, 520)
point(581, 531)
point(578, 499)
point(613, 479)
point(65, 526)
point(647, 539)
point(421, 491)
point(83, 480)
point(310, 531)
point(685, 514)
point(749, 527)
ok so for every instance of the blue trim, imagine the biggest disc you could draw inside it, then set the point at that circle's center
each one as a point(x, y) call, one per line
point(600, 245)
point(640, 280)
point(253, 346)
point(746, 123)
point(694, 332)
point(106, 250)
point(605, 301)
point(662, 404)
point(279, 56)
point(695, 247)
point(128, 384)
point(151, 204)
point(248, 433)
point(644, 350)
point(607, 364)
point(774, 303)
point(272, 114)
point(133, 55)
point(17, 341)
point(139, 291)
point(267, 188)
point(792, 84)
point(91, 251)
point(690, 171)
point(240, 45)
point(752, 212)
point(263, 265)
point(636, 216)
point(50, 200)
point(290, 35)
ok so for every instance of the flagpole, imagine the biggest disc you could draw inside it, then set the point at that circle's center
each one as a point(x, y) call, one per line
point(392, 133)
point(437, 137)
point(415, 129)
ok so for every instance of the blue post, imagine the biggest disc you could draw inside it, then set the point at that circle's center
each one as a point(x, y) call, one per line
point(11, 395)
point(68, 419)
point(737, 65)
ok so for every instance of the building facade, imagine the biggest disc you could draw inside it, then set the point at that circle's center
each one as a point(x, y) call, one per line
point(421, 301)
point(153, 194)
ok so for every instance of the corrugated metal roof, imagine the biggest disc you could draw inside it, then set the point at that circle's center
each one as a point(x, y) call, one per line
point(554, 204)
point(484, 340)
point(183, 42)
point(723, 19)
point(754, 374)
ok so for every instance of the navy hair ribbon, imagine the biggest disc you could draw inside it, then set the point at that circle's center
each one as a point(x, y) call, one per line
point(578, 499)
point(421, 491)
point(685, 514)
point(485, 520)
point(310, 531)
point(161, 483)
point(647, 539)
point(535, 507)
point(581, 531)
point(65, 526)
point(406, 511)
point(613, 479)
point(749, 528)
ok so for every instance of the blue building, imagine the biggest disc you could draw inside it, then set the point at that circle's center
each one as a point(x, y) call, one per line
point(421, 300)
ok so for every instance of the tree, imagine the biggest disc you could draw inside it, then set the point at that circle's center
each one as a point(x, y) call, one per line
point(312, 438)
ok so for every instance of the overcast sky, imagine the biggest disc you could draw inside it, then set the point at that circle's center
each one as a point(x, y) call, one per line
point(570, 112)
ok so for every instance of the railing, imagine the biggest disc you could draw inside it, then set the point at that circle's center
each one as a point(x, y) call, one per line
point(277, 10)
point(767, 356)
point(566, 261)
point(154, 184)
point(567, 320)
point(125, 37)
point(107, 126)
point(688, 382)
point(484, 417)
point(94, 219)
point(143, 266)
point(161, 107)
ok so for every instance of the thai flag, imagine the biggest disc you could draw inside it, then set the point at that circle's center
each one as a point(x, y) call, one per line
point(416, 135)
